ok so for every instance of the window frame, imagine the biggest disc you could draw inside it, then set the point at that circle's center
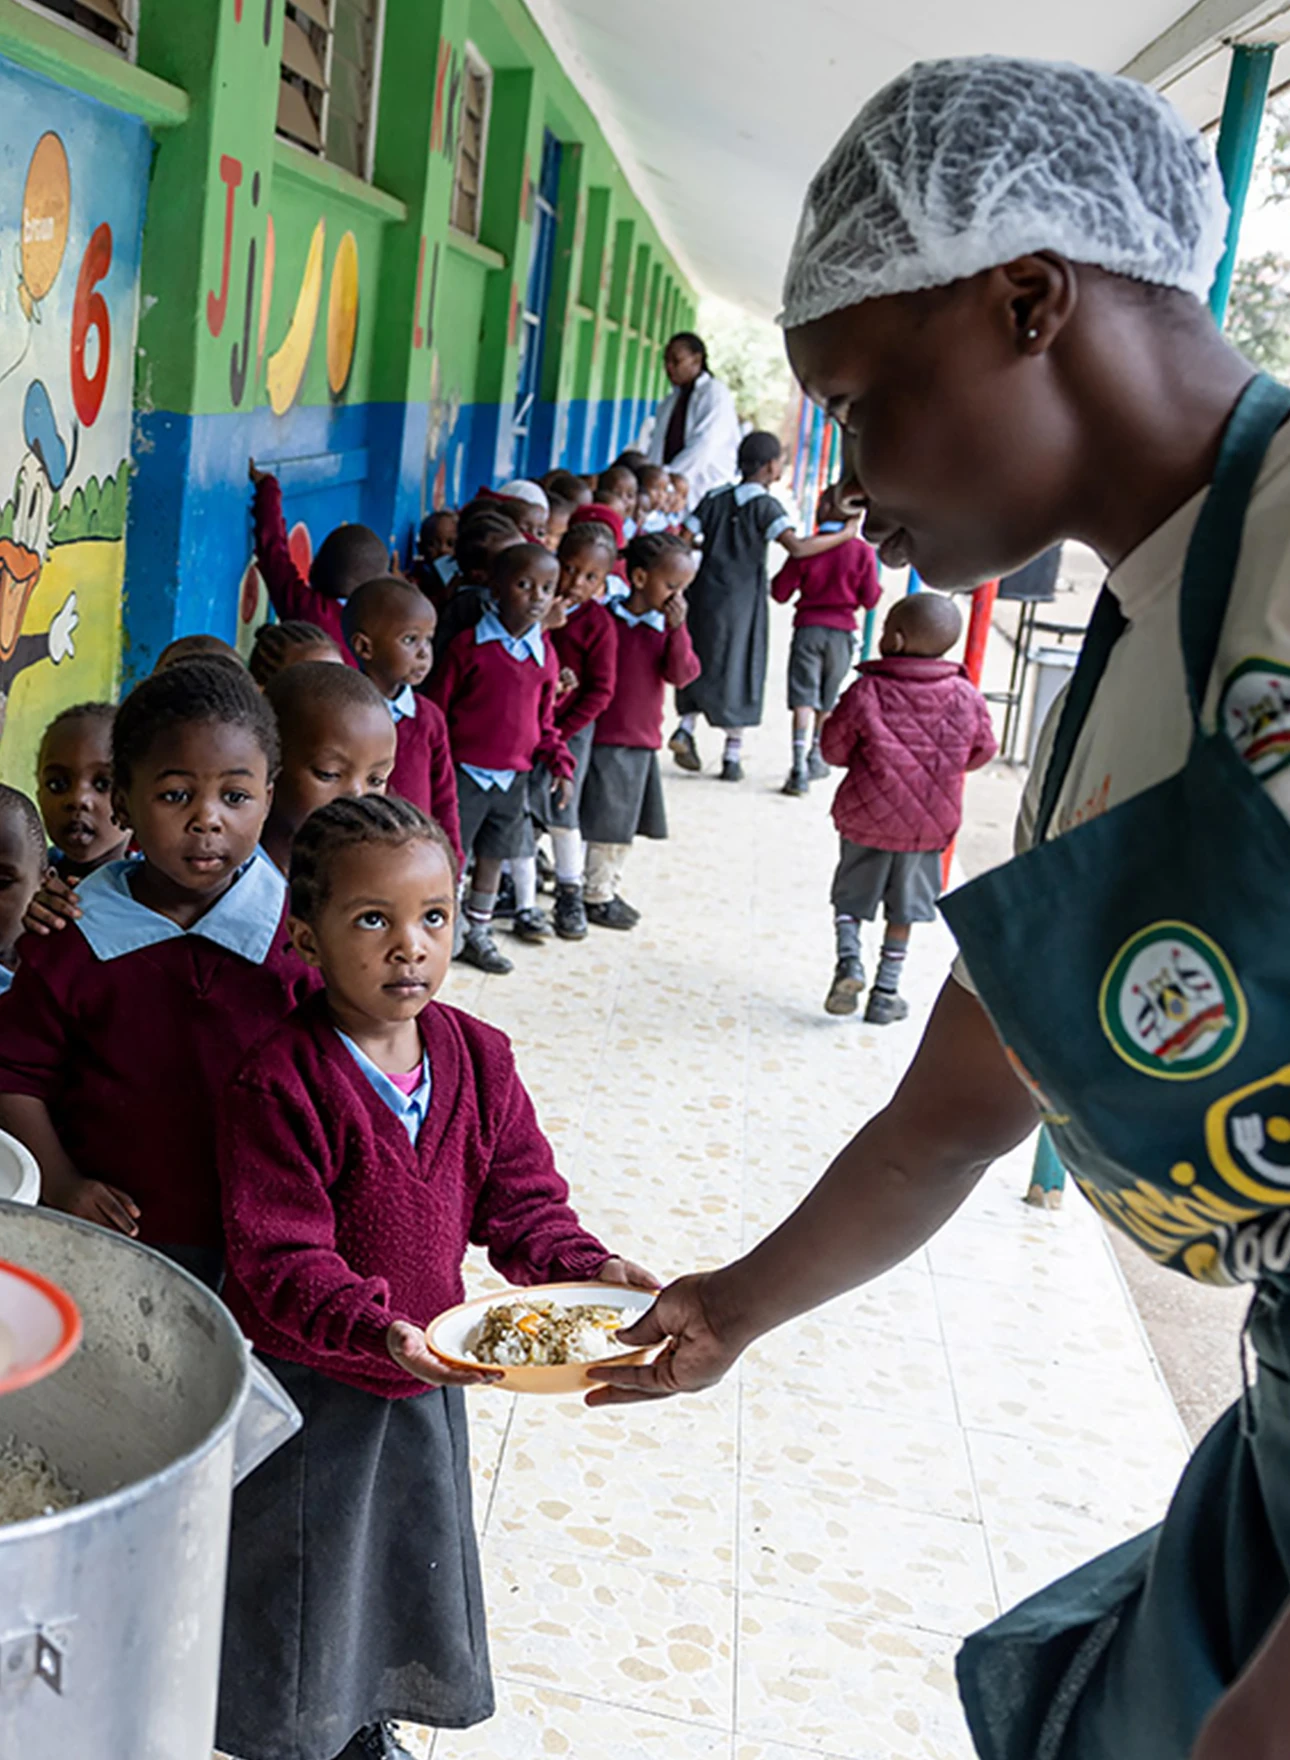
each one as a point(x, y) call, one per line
point(367, 168)
point(129, 10)
point(473, 60)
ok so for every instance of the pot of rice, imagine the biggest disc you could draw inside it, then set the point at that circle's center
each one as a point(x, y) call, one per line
point(116, 1479)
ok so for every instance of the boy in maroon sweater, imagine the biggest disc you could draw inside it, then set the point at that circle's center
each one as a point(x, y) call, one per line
point(623, 798)
point(585, 639)
point(367, 1144)
point(907, 730)
point(346, 558)
point(497, 685)
point(390, 627)
point(831, 589)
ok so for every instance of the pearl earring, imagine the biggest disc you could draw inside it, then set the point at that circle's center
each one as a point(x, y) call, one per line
point(1032, 335)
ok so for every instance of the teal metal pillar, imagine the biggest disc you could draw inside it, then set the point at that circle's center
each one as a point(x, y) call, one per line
point(1238, 138)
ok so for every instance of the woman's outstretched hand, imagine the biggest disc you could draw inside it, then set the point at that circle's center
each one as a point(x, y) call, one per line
point(695, 1355)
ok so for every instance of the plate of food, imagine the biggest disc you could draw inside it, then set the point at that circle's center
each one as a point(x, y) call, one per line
point(543, 1339)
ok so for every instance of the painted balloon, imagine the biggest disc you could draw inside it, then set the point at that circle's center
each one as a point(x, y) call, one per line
point(46, 211)
point(342, 314)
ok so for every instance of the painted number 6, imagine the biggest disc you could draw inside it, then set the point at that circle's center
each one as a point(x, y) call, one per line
point(90, 313)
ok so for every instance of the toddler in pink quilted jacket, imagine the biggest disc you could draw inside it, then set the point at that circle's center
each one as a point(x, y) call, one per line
point(907, 731)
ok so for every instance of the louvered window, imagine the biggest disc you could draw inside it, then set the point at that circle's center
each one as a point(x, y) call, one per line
point(107, 21)
point(330, 70)
point(472, 144)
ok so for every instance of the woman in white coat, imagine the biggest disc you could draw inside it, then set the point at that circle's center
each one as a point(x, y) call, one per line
point(696, 430)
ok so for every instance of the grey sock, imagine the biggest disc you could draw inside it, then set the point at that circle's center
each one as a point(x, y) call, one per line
point(890, 965)
point(799, 750)
point(479, 908)
point(847, 930)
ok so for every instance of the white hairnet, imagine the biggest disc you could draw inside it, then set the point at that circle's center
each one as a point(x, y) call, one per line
point(959, 165)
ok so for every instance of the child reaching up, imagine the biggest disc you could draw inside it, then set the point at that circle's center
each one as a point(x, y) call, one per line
point(346, 558)
point(338, 740)
point(22, 863)
point(906, 732)
point(121, 1030)
point(373, 1137)
point(831, 589)
point(497, 686)
point(74, 791)
point(623, 797)
point(390, 629)
point(586, 645)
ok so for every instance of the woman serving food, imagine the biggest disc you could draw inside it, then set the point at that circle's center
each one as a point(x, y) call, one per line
point(997, 291)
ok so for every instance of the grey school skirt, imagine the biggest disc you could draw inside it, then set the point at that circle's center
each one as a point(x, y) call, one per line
point(623, 797)
point(354, 1589)
point(542, 786)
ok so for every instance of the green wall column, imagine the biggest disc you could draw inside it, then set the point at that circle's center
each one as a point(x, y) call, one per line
point(1238, 138)
point(506, 226)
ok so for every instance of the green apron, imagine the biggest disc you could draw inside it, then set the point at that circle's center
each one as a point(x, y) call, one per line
point(1150, 1012)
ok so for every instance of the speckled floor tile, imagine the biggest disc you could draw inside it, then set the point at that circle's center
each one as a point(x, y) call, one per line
point(841, 1684)
point(1028, 1481)
point(544, 1724)
point(857, 1367)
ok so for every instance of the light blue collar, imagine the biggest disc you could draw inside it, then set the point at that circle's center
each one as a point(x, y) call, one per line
point(244, 920)
point(446, 568)
point(531, 645)
point(633, 620)
point(6, 979)
point(404, 706)
point(409, 1109)
point(746, 492)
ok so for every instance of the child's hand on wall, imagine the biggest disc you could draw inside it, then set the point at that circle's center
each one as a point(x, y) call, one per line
point(53, 907)
point(256, 476)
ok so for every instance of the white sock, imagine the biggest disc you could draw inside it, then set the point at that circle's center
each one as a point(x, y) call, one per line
point(568, 856)
point(524, 874)
point(689, 723)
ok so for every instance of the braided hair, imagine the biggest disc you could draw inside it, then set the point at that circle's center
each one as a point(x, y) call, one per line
point(481, 530)
point(184, 696)
point(15, 804)
point(588, 534)
point(80, 712)
point(648, 549)
point(278, 645)
point(346, 823)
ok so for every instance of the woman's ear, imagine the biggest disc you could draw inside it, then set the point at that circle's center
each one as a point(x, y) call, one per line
point(1037, 296)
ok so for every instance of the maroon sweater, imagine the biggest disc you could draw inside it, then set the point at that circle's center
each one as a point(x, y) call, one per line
point(831, 588)
point(648, 661)
point(131, 1056)
point(337, 1226)
point(588, 646)
point(423, 772)
point(501, 711)
point(289, 593)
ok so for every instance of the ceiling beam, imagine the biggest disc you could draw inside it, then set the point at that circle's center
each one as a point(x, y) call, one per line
point(1200, 32)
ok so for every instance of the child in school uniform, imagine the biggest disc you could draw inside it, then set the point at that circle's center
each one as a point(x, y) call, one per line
point(485, 530)
point(22, 863)
point(338, 740)
point(371, 1138)
point(831, 590)
point(277, 645)
point(74, 791)
point(585, 639)
point(654, 506)
point(905, 732)
point(345, 559)
point(122, 1027)
point(390, 629)
point(623, 796)
point(557, 521)
point(497, 685)
point(618, 489)
point(730, 603)
point(434, 565)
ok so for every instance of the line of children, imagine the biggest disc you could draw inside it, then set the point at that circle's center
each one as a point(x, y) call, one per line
point(831, 588)
point(905, 732)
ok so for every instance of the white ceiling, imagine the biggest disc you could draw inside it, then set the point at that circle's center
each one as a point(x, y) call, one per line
point(720, 110)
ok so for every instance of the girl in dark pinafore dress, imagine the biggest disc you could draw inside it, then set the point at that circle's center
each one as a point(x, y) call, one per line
point(365, 1144)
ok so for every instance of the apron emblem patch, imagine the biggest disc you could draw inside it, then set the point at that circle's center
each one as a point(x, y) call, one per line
point(1254, 713)
point(1170, 1003)
point(1247, 1135)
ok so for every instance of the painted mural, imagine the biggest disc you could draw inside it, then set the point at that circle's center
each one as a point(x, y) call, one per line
point(73, 177)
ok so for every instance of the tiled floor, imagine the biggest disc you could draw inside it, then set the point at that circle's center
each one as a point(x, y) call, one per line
point(785, 1565)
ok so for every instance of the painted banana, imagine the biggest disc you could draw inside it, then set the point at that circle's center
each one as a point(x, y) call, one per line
point(286, 365)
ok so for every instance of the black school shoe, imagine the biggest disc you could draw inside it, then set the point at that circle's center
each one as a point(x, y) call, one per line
point(848, 983)
point(481, 951)
point(731, 770)
point(799, 781)
point(684, 750)
point(570, 912)
point(375, 1741)
point(532, 926)
point(816, 768)
point(884, 1007)
point(617, 914)
point(505, 906)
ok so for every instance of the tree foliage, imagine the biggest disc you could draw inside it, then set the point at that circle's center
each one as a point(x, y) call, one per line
point(1258, 312)
point(748, 354)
